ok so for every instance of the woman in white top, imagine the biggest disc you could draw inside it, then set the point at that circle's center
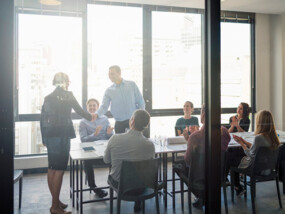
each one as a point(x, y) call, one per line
point(265, 136)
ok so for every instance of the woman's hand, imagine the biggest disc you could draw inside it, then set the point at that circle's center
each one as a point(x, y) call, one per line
point(238, 139)
point(110, 130)
point(241, 141)
point(185, 133)
point(234, 121)
point(193, 129)
point(98, 129)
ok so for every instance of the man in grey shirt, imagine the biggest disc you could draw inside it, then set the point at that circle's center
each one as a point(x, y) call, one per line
point(129, 146)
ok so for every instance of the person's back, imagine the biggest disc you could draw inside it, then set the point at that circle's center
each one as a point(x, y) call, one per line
point(128, 146)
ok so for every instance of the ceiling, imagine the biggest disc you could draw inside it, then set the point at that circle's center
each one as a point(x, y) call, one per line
point(256, 6)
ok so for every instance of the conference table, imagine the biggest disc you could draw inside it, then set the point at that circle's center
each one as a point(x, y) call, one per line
point(173, 145)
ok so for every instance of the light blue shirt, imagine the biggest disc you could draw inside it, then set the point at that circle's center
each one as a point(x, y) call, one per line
point(124, 99)
point(87, 129)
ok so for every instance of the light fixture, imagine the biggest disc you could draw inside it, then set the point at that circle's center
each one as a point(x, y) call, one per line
point(223, 0)
point(50, 2)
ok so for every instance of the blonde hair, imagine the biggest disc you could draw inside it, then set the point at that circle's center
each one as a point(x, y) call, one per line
point(265, 126)
point(60, 79)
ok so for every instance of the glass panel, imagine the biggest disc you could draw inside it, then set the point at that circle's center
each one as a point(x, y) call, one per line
point(47, 45)
point(28, 138)
point(235, 64)
point(176, 59)
point(113, 40)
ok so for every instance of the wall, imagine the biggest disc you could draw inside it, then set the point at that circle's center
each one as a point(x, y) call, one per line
point(270, 65)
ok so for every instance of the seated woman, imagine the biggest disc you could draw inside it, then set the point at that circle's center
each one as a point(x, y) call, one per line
point(265, 136)
point(187, 122)
point(240, 122)
point(91, 131)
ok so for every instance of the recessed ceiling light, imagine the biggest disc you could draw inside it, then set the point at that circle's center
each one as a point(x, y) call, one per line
point(50, 2)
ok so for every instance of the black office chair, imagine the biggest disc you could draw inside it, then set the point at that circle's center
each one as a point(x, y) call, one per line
point(136, 175)
point(266, 160)
point(18, 176)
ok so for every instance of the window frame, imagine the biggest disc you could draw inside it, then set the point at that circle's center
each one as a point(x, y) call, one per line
point(226, 16)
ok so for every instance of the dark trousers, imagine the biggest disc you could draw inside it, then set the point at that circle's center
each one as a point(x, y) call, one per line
point(121, 126)
point(234, 156)
point(88, 169)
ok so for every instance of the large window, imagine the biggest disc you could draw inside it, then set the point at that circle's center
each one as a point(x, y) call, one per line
point(235, 64)
point(176, 59)
point(170, 44)
point(114, 38)
point(46, 45)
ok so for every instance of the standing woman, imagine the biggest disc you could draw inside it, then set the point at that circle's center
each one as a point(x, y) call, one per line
point(187, 123)
point(57, 130)
point(240, 122)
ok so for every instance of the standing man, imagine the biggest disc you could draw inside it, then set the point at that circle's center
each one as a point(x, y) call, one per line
point(124, 98)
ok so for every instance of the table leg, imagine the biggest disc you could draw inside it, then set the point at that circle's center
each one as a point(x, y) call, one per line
point(159, 175)
point(73, 186)
point(81, 189)
point(173, 183)
point(164, 170)
point(77, 186)
point(70, 178)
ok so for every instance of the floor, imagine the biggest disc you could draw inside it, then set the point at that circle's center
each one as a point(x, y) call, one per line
point(36, 198)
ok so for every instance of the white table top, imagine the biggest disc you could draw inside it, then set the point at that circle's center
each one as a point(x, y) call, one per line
point(77, 153)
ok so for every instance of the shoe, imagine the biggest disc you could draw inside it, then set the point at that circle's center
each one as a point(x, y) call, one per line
point(59, 211)
point(160, 185)
point(228, 183)
point(101, 193)
point(240, 191)
point(198, 203)
point(62, 205)
point(138, 206)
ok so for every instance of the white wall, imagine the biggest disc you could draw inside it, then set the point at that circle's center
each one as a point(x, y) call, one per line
point(270, 65)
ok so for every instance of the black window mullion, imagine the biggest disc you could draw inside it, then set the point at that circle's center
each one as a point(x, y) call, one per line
point(84, 59)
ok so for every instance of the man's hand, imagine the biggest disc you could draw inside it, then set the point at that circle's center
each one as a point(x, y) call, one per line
point(94, 117)
point(98, 130)
point(110, 130)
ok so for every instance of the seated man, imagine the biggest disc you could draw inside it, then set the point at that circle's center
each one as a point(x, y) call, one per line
point(91, 131)
point(196, 148)
point(129, 146)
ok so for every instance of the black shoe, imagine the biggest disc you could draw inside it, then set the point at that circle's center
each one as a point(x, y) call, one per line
point(101, 193)
point(160, 185)
point(228, 183)
point(138, 206)
point(240, 191)
point(198, 203)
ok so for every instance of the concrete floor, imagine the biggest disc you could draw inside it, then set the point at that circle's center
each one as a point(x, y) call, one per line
point(37, 200)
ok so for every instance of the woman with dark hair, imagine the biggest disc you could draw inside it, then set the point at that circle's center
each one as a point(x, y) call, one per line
point(265, 136)
point(57, 130)
point(187, 123)
point(240, 122)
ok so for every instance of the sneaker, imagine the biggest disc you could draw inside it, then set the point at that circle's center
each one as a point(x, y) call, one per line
point(240, 191)
point(198, 203)
point(101, 193)
point(138, 206)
